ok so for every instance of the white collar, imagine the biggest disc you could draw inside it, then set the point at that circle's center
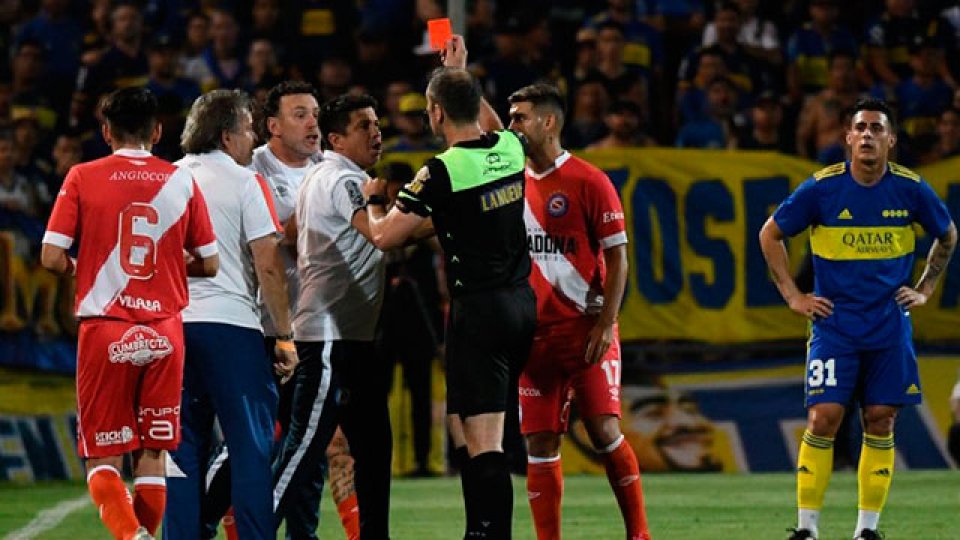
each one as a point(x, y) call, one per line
point(133, 152)
point(557, 163)
point(343, 159)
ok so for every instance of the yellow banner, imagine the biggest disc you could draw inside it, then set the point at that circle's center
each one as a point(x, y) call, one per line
point(696, 270)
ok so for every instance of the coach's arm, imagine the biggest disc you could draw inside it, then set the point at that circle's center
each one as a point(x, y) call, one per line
point(272, 276)
point(774, 250)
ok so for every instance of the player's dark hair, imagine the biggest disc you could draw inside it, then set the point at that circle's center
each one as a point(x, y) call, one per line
point(212, 114)
point(541, 96)
point(335, 115)
point(271, 106)
point(131, 114)
point(876, 105)
point(458, 94)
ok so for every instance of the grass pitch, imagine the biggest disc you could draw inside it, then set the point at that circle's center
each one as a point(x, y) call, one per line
point(922, 506)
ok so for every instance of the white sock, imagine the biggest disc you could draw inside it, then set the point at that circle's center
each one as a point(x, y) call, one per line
point(807, 519)
point(866, 520)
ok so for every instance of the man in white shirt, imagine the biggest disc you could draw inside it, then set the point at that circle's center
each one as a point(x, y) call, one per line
point(225, 373)
point(340, 380)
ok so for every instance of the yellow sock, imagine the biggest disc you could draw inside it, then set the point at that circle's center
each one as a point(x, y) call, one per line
point(875, 472)
point(814, 468)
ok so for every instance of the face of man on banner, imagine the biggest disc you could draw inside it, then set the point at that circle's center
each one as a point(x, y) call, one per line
point(667, 430)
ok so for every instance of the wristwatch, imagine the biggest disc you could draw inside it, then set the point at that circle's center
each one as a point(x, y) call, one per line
point(378, 200)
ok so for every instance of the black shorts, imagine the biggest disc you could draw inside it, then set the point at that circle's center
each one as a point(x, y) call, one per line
point(489, 335)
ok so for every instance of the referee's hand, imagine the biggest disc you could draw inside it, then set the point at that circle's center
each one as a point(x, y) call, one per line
point(454, 53)
point(811, 306)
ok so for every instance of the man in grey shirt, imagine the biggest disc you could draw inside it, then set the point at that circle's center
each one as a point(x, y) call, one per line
point(340, 380)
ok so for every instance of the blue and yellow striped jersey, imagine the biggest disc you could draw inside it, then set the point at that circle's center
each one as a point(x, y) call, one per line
point(863, 241)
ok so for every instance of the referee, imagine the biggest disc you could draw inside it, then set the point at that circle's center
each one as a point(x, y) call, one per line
point(474, 194)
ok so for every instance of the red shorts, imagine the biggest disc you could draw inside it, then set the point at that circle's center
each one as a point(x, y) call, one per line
point(557, 373)
point(129, 378)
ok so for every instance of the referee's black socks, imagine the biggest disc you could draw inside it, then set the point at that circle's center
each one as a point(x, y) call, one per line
point(488, 495)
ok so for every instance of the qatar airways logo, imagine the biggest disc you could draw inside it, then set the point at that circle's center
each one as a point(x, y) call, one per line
point(139, 345)
point(144, 176)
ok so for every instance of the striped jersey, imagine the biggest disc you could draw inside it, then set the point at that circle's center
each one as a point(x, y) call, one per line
point(132, 214)
point(572, 213)
point(863, 240)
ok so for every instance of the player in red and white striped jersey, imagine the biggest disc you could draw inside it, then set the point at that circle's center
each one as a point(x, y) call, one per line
point(131, 216)
point(577, 241)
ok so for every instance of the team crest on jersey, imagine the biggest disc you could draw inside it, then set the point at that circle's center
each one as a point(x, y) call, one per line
point(557, 205)
point(353, 191)
point(139, 345)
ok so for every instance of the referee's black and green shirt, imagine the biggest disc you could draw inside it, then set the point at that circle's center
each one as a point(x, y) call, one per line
point(474, 192)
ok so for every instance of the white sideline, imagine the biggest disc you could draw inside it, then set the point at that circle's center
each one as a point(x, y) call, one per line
point(48, 518)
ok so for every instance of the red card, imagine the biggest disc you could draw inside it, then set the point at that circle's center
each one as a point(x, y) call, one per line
point(440, 32)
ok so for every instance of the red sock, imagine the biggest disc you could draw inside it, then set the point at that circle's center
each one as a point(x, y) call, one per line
point(623, 472)
point(112, 499)
point(544, 491)
point(149, 500)
point(229, 523)
point(349, 512)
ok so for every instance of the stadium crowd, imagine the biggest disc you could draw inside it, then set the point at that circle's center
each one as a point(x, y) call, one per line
point(743, 74)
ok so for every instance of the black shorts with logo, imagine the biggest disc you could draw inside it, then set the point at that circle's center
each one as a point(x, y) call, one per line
point(489, 335)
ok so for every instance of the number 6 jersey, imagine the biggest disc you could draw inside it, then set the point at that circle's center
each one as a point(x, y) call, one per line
point(133, 215)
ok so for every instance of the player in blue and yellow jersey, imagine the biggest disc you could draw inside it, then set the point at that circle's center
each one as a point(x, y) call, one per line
point(861, 215)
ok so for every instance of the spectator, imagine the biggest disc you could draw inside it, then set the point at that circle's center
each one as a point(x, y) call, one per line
point(692, 96)
point(31, 92)
point(30, 160)
point(163, 80)
point(623, 82)
point(393, 91)
point(922, 96)
point(15, 192)
point(821, 126)
point(624, 122)
point(263, 67)
point(586, 123)
point(741, 68)
point(333, 77)
point(511, 67)
point(888, 41)
point(197, 40)
point(321, 27)
point(948, 129)
point(643, 45)
point(758, 36)
point(61, 35)
point(414, 135)
point(681, 19)
point(222, 57)
point(96, 37)
point(716, 129)
point(379, 60)
point(809, 48)
point(66, 153)
point(123, 64)
point(585, 57)
point(265, 23)
point(765, 130)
